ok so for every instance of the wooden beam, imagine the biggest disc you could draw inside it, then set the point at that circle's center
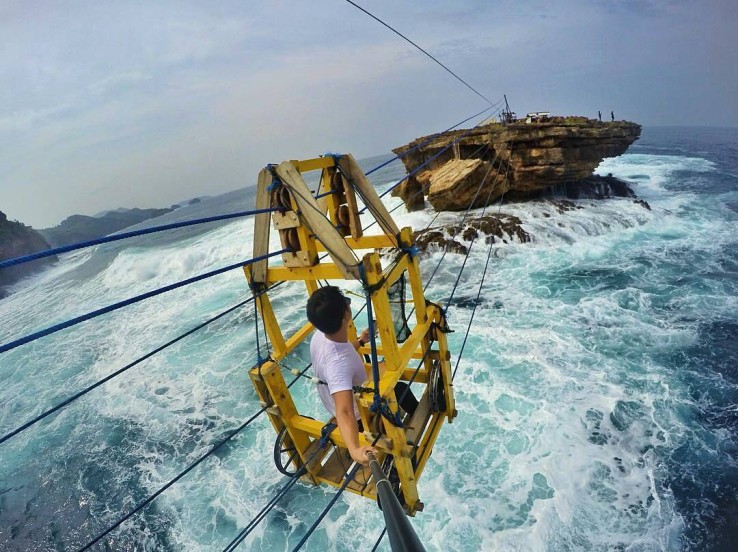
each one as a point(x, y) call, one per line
point(374, 204)
point(308, 165)
point(321, 271)
point(261, 227)
point(315, 220)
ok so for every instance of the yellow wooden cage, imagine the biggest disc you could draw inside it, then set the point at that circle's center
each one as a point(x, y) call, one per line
point(329, 223)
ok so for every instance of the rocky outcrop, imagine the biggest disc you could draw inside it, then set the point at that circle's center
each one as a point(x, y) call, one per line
point(16, 240)
point(518, 160)
point(502, 227)
point(78, 228)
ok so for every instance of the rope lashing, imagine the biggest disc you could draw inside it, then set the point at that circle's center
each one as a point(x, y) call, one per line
point(115, 306)
point(126, 235)
point(325, 434)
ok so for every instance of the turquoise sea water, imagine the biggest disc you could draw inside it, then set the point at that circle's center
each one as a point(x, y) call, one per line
point(596, 395)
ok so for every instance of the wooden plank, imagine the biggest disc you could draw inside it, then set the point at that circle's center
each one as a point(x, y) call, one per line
point(335, 468)
point(325, 203)
point(416, 426)
point(264, 305)
point(308, 165)
point(429, 439)
point(366, 242)
point(261, 227)
point(315, 220)
point(282, 221)
point(323, 271)
point(353, 210)
point(314, 427)
point(298, 337)
point(382, 311)
point(374, 204)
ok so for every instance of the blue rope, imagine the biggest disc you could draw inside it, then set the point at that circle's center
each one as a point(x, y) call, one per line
point(148, 501)
point(474, 310)
point(124, 369)
point(379, 540)
point(314, 526)
point(74, 321)
point(324, 440)
point(125, 235)
point(325, 434)
point(185, 472)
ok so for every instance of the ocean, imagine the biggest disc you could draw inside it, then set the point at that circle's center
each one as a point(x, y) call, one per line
point(597, 393)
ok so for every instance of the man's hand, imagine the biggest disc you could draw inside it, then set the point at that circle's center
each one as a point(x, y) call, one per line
point(364, 337)
point(360, 454)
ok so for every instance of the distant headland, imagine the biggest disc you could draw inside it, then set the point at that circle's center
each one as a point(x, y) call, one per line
point(17, 239)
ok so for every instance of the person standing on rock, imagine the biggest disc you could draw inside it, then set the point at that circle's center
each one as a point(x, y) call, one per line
point(612, 116)
point(599, 114)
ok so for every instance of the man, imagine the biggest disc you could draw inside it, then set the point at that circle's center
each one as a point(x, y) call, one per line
point(337, 363)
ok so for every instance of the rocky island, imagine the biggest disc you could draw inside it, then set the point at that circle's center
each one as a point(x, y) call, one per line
point(522, 161)
point(514, 161)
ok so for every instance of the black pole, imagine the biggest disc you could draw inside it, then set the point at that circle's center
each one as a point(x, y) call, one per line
point(401, 533)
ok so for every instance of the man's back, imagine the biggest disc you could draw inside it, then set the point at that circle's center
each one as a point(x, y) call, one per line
point(338, 365)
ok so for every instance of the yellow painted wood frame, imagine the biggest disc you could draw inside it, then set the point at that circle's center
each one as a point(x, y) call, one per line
point(315, 221)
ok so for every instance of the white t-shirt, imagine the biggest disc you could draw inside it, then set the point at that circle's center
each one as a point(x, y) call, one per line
point(337, 364)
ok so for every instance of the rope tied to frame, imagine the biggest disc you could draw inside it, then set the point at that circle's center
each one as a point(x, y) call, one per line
point(379, 404)
point(325, 434)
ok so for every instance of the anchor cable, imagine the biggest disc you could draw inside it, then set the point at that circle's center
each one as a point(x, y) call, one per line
point(125, 235)
point(115, 306)
point(126, 368)
point(398, 33)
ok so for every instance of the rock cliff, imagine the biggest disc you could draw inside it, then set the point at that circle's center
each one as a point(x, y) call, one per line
point(520, 160)
point(17, 239)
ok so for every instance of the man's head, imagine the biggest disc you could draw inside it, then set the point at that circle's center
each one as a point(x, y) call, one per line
point(327, 308)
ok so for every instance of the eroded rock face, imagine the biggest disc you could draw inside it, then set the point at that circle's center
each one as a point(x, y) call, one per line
point(521, 161)
point(16, 240)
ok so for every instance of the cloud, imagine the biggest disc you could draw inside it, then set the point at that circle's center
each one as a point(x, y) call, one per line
point(153, 102)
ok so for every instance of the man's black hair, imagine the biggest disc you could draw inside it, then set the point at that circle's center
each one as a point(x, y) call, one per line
point(326, 309)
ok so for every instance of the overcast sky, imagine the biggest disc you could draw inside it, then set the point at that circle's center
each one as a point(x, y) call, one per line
point(107, 104)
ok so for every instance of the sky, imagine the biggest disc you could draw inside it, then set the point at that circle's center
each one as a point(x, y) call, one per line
point(107, 104)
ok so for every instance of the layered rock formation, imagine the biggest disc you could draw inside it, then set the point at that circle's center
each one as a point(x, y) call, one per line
point(17, 239)
point(518, 160)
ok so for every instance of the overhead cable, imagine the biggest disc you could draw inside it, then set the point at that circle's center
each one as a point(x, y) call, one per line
point(398, 33)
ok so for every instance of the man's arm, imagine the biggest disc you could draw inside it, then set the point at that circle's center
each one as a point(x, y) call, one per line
point(347, 426)
point(362, 340)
